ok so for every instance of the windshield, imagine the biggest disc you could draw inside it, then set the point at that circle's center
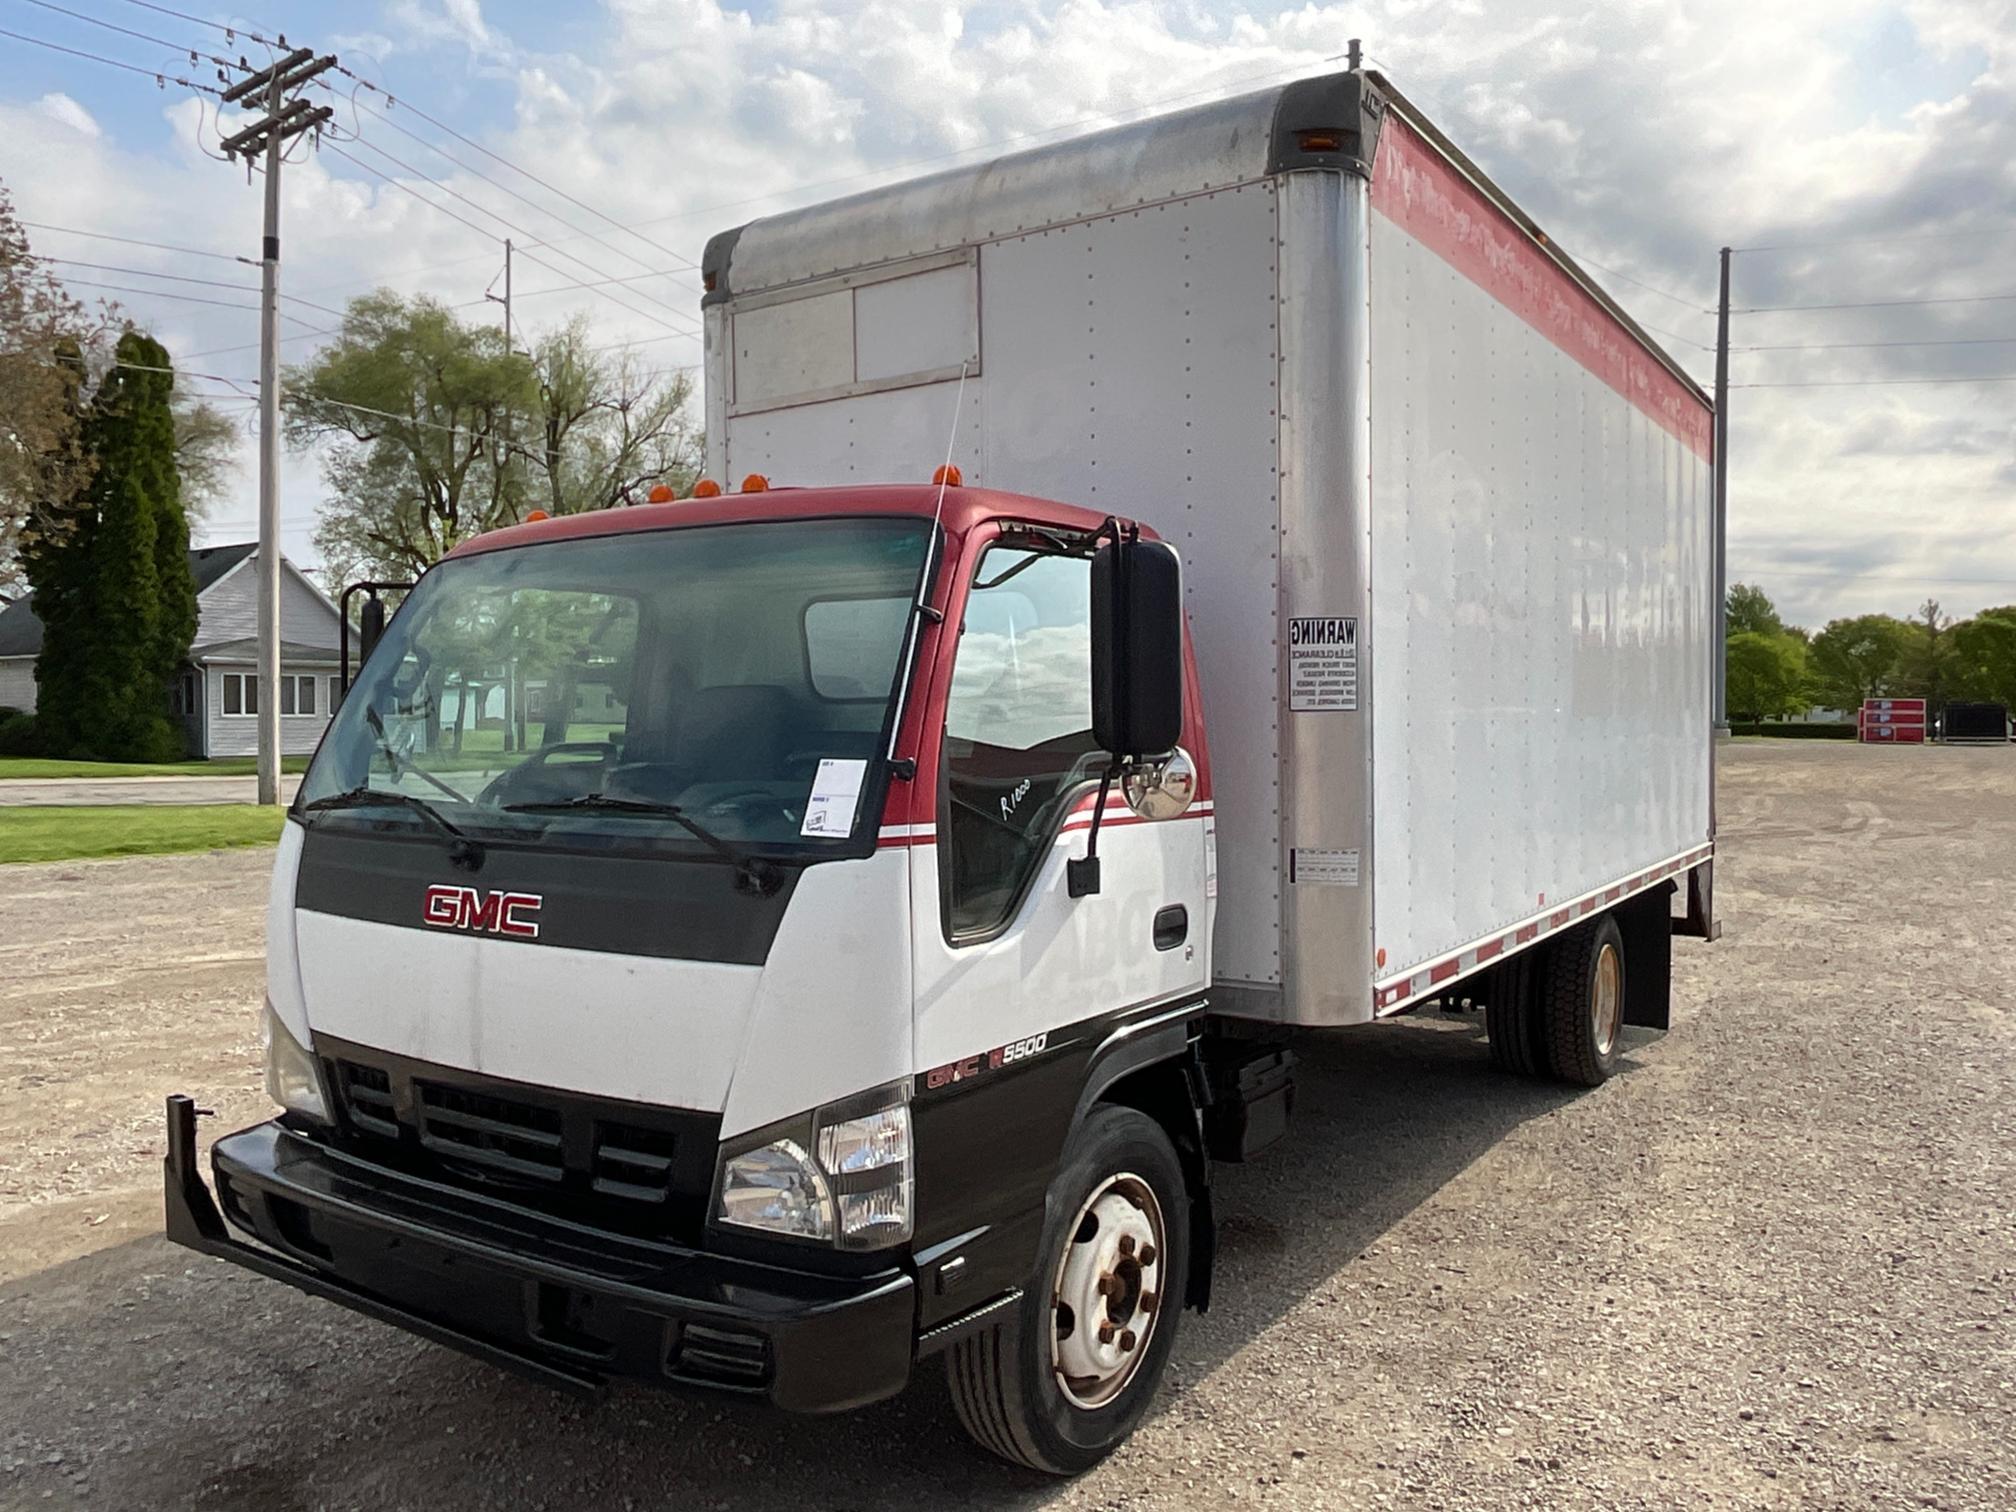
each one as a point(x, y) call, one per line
point(722, 687)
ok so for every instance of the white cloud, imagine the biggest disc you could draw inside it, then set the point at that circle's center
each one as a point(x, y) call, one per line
point(1642, 136)
point(63, 109)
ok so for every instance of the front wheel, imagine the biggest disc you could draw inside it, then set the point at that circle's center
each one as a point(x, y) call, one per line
point(1062, 1383)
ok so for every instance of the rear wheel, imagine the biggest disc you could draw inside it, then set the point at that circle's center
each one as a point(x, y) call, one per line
point(1510, 1020)
point(1064, 1381)
point(1582, 1003)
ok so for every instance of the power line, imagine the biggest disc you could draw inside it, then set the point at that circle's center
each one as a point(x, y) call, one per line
point(1872, 241)
point(480, 209)
point(523, 199)
point(1844, 346)
point(159, 76)
point(134, 241)
point(229, 31)
point(495, 157)
point(194, 53)
point(1879, 382)
point(1877, 304)
point(1676, 336)
point(1693, 305)
point(86, 283)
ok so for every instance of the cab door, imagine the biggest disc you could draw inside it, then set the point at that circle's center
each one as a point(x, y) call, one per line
point(1010, 970)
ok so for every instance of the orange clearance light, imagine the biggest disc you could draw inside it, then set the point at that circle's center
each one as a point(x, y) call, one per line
point(949, 475)
point(1380, 959)
point(661, 493)
point(1320, 141)
point(755, 483)
point(533, 517)
point(706, 488)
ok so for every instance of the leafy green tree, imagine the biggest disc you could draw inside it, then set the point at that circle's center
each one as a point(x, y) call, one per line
point(1767, 676)
point(1751, 612)
point(435, 432)
point(414, 407)
point(114, 593)
point(45, 336)
point(1859, 658)
point(1984, 656)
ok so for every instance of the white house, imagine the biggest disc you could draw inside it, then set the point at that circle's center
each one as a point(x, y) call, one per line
point(216, 695)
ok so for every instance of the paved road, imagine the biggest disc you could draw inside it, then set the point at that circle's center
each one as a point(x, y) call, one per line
point(1772, 1265)
point(95, 790)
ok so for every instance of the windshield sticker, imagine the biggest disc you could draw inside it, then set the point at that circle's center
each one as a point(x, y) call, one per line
point(836, 793)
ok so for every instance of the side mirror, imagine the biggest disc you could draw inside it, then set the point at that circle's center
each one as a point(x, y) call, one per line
point(370, 627)
point(1137, 648)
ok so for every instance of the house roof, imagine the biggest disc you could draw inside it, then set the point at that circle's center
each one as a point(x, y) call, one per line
point(247, 650)
point(209, 563)
point(21, 628)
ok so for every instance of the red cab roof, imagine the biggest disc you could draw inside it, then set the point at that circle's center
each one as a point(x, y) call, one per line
point(964, 508)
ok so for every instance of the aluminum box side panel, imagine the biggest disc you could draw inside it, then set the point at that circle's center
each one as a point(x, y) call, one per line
point(1542, 583)
point(1131, 367)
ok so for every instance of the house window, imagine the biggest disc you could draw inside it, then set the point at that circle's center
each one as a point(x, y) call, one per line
point(297, 694)
point(182, 696)
point(241, 693)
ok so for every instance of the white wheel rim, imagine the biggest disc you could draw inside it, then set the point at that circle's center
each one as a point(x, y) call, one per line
point(1606, 998)
point(1108, 1291)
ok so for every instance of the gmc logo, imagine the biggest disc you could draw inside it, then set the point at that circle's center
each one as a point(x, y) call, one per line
point(498, 913)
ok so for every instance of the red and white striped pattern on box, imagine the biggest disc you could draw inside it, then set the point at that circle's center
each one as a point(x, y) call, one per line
point(1893, 721)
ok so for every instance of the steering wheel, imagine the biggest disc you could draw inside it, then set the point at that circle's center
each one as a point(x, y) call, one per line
point(736, 798)
point(506, 783)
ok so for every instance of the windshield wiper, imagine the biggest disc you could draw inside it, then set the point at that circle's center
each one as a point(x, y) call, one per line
point(752, 873)
point(398, 765)
point(462, 850)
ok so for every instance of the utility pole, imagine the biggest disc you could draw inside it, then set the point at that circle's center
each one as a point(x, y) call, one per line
point(285, 119)
point(1722, 504)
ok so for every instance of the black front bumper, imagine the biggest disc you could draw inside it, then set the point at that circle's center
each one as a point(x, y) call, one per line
point(567, 1304)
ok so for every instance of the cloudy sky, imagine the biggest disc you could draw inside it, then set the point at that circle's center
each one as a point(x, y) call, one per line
point(1866, 152)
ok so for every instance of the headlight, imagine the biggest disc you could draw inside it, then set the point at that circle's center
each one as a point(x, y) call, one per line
point(776, 1187)
point(856, 1194)
point(291, 1077)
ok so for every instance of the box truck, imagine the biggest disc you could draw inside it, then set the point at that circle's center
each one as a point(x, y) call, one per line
point(1222, 578)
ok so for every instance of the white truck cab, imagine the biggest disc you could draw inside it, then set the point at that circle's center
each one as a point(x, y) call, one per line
point(760, 942)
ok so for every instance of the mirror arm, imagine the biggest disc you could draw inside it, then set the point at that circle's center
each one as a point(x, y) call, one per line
point(1081, 874)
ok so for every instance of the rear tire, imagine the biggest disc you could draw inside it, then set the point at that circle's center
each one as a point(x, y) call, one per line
point(1119, 1183)
point(1582, 1003)
point(1510, 1022)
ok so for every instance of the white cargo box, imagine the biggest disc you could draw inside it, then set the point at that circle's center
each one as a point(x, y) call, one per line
point(1444, 510)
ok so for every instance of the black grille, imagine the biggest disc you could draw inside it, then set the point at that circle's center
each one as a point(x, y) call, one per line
point(518, 1138)
point(636, 1168)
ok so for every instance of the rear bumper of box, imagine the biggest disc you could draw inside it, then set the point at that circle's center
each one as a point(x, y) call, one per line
point(568, 1305)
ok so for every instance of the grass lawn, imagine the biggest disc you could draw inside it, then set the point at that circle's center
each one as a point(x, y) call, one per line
point(68, 834)
point(222, 766)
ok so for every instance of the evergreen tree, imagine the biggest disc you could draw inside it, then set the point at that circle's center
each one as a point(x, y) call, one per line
point(117, 603)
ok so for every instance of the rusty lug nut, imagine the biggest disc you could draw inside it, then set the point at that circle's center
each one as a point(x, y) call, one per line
point(1109, 1285)
point(1128, 1341)
point(1147, 1254)
point(1106, 1332)
point(1126, 1244)
point(1148, 1301)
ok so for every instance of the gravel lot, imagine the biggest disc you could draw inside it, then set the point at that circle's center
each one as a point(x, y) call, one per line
point(1772, 1265)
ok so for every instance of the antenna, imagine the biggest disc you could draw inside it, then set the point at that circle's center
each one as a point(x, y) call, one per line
point(906, 767)
point(951, 441)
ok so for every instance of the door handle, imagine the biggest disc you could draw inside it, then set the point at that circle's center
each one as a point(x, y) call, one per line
point(1172, 926)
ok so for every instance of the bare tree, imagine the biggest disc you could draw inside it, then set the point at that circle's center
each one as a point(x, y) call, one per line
point(610, 427)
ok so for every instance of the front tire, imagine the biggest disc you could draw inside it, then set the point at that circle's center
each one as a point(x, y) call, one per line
point(1062, 1383)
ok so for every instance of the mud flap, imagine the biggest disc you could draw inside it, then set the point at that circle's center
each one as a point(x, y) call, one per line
point(1647, 924)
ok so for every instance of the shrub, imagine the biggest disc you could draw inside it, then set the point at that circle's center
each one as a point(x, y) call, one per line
point(17, 734)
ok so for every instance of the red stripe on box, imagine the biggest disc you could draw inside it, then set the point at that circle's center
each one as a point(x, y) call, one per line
point(1424, 194)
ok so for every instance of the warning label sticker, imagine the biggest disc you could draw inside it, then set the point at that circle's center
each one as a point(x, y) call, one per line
point(1323, 868)
point(1322, 664)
